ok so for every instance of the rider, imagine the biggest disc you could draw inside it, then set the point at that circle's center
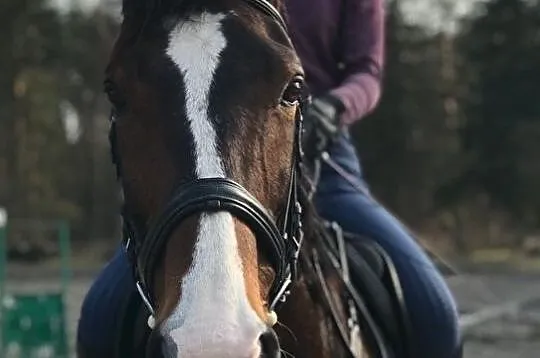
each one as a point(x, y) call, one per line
point(340, 43)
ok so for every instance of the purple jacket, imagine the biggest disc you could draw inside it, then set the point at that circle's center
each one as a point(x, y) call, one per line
point(341, 46)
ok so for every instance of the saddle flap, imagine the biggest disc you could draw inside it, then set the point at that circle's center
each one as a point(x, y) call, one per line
point(374, 276)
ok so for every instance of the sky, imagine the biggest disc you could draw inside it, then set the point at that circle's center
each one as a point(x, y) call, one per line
point(83, 4)
point(430, 14)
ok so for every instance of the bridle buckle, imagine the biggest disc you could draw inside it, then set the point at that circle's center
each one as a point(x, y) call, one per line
point(282, 293)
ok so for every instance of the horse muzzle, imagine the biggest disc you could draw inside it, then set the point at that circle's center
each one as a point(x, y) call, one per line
point(267, 346)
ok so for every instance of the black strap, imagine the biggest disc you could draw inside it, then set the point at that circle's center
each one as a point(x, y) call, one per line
point(372, 330)
point(211, 195)
point(270, 10)
point(342, 328)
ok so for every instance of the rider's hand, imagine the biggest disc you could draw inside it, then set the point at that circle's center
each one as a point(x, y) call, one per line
point(321, 122)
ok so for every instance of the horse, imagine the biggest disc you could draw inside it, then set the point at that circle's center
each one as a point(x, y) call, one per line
point(230, 258)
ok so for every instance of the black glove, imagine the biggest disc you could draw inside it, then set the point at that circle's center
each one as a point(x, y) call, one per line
point(321, 123)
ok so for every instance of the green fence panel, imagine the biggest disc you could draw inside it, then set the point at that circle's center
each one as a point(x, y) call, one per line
point(33, 326)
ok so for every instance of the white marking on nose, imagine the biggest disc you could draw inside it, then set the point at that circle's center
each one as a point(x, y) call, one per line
point(214, 317)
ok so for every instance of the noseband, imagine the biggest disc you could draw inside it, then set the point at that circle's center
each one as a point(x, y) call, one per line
point(222, 195)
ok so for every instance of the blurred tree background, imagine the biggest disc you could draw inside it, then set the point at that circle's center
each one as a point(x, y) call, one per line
point(452, 148)
point(54, 156)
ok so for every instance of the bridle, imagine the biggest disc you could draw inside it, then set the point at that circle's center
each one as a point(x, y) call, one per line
point(281, 239)
point(282, 242)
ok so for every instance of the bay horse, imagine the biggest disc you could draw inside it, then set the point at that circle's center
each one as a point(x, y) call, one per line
point(206, 132)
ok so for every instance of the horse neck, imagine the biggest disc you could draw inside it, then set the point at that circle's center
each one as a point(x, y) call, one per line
point(306, 328)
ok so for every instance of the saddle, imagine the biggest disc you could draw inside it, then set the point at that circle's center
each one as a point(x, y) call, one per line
point(374, 276)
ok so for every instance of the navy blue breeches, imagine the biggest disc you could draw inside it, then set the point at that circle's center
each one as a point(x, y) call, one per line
point(429, 302)
point(431, 306)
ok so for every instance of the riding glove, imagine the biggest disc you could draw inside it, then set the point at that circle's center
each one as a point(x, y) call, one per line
point(321, 123)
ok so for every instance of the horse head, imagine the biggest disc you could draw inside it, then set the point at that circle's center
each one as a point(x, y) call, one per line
point(205, 135)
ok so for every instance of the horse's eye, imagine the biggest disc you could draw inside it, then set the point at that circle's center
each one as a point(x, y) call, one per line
point(294, 92)
point(114, 94)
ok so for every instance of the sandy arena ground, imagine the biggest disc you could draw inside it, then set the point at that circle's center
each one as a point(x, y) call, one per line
point(514, 334)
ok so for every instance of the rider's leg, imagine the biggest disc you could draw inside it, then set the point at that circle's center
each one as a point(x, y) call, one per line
point(99, 323)
point(431, 307)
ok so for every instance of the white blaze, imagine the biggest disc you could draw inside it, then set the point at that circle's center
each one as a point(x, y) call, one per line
point(214, 317)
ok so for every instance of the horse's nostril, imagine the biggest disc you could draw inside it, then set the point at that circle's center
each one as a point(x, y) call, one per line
point(270, 344)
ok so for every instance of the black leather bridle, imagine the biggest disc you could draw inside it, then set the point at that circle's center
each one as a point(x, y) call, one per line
point(282, 242)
